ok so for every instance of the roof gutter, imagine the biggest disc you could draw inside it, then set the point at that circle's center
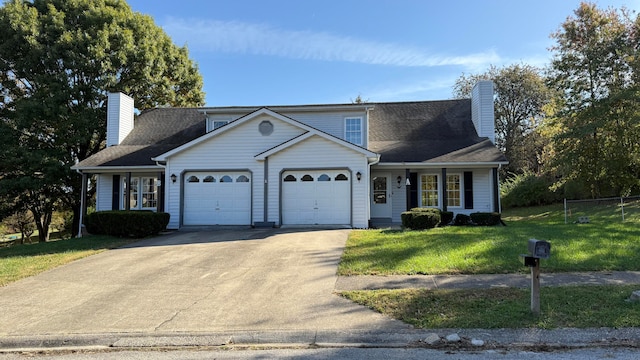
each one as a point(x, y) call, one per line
point(442, 164)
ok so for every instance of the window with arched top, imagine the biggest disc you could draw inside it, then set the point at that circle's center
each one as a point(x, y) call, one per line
point(341, 177)
point(226, 179)
point(289, 178)
point(209, 179)
point(324, 177)
point(242, 179)
point(193, 179)
point(307, 177)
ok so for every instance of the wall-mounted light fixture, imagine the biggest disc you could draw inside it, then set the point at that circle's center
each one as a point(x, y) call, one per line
point(358, 175)
point(173, 178)
point(399, 180)
point(408, 182)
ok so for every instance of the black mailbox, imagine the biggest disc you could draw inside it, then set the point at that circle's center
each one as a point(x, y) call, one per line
point(539, 249)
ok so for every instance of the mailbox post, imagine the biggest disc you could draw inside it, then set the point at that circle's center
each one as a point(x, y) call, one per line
point(538, 249)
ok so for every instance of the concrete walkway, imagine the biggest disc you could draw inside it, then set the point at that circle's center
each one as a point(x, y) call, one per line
point(485, 280)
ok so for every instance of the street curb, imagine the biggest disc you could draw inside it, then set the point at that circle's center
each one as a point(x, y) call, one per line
point(492, 338)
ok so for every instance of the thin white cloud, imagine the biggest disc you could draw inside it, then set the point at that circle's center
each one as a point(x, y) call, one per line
point(247, 38)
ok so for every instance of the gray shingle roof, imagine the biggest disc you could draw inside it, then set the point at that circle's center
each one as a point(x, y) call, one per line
point(155, 132)
point(423, 131)
point(428, 131)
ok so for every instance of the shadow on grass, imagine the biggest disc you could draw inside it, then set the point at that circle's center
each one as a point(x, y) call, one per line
point(64, 245)
point(469, 250)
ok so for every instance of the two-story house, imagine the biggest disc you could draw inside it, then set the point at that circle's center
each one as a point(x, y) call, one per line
point(335, 164)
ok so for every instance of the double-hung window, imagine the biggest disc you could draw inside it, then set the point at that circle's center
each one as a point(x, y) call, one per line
point(143, 193)
point(429, 191)
point(353, 130)
point(453, 190)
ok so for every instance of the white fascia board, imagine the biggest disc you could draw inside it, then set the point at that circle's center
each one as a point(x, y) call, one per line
point(418, 165)
point(116, 169)
point(285, 108)
point(310, 133)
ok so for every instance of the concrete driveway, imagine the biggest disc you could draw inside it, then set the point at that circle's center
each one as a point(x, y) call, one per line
point(201, 281)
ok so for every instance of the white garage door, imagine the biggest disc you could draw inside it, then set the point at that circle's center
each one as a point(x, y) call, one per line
point(217, 198)
point(320, 197)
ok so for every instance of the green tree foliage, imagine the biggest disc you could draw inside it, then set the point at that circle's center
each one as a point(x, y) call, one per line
point(58, 59)
point(520, 98)
point(596, 70)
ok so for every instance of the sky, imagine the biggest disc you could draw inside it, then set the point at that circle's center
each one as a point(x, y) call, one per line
point(282, 52)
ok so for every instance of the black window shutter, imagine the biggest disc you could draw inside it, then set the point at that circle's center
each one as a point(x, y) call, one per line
point(468, 190)
point(115, 199)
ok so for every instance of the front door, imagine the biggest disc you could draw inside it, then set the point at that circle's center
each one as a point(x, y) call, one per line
point(380, 195)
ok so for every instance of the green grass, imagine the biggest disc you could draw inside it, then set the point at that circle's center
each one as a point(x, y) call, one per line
point(21, 261)
point(605, 244)
point(576, 306)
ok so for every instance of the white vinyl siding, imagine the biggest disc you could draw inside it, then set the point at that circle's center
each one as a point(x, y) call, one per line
point(317, 153)
point(332, 123)
point(233, 149)
point(104, 196)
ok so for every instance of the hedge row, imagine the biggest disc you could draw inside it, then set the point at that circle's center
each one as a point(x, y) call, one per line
point(428, 218)
point(137, 224)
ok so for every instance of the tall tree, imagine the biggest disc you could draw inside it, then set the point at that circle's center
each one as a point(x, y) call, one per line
point(520, 98)
point(58, 59)
point(596, 129)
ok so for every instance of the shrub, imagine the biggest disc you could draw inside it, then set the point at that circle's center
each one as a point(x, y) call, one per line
point(425, 220)
point(420, 218)
point(485, 218)
point(526, 189)
point(406, 218)
point(462, 219)
point(130, 223)
point(446, 217)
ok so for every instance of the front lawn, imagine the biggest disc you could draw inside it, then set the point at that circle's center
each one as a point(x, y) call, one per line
point(603, 245)
point(21, 261)
point(576, 306)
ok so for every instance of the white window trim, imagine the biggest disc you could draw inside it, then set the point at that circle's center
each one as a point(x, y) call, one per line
point(359, 118)
point(139, 192)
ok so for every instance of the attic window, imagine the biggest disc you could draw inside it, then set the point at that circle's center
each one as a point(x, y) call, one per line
point(213, 124)
point(219, 123)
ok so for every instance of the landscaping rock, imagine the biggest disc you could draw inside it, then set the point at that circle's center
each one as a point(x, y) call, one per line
point(432, 339)
point(635, 296)
point(453, 338)
point(477, 342)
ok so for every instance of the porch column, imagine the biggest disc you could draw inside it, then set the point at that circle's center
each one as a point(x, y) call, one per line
point(160, 193)
point(444, 189)
point(496, 191)
point(127, 190)
point(83, 204)
point(407, 187)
